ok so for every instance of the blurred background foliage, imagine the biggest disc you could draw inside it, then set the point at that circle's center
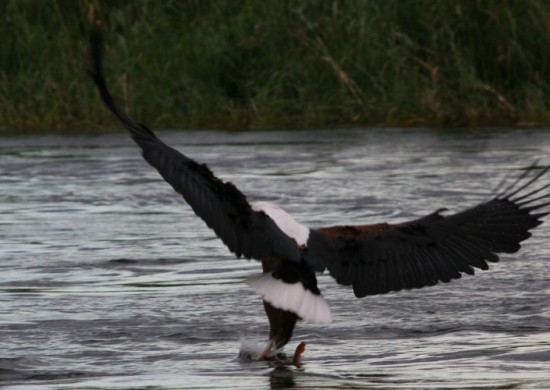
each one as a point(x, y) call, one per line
point(257, 64)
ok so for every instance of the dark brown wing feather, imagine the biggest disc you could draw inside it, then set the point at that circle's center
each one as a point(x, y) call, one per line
point(376, 259)
point(220, 204)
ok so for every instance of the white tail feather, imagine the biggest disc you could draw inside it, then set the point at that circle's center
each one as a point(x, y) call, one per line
point(292, 297)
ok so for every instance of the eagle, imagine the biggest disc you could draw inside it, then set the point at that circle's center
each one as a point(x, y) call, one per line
point(372, 259)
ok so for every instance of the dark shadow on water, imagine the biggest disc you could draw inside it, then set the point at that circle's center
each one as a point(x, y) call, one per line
point(282, 377)
point(285, 377)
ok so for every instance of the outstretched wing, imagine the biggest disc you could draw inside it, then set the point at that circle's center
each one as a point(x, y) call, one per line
point(220, 204)
point(376, 259)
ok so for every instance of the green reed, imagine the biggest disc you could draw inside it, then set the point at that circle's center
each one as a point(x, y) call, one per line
point(278, 64)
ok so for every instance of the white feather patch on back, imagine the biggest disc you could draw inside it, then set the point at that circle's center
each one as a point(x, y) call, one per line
point(292, 297)
point(284, 221)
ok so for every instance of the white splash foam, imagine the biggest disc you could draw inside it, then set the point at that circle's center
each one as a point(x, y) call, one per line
point(251, 349)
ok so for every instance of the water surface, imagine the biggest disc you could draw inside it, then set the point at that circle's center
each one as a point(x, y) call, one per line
point(108, 280)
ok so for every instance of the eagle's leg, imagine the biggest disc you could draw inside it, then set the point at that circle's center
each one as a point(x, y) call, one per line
point(281, 322)
point(281, 325)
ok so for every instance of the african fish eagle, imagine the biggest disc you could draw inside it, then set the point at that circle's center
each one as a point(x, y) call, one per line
point(373, 259)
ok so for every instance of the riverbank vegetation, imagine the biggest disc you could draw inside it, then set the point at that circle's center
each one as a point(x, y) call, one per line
point(252, 64)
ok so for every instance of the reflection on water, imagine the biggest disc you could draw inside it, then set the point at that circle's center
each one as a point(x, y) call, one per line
point(107, 280)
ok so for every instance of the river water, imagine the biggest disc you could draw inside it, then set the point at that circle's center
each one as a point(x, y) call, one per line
point(109, 281)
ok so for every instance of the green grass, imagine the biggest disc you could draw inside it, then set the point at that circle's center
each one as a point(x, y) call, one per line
point(278, 64)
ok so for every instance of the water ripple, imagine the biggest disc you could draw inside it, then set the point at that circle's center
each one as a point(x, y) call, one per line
point(108, 280)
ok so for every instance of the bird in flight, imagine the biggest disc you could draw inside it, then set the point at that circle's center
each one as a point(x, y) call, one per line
point(373, 259)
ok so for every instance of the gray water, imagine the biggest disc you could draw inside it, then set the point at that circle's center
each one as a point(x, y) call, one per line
point(108, 280)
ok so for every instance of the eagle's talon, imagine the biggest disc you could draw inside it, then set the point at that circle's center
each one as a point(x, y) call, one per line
point(269, 355)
